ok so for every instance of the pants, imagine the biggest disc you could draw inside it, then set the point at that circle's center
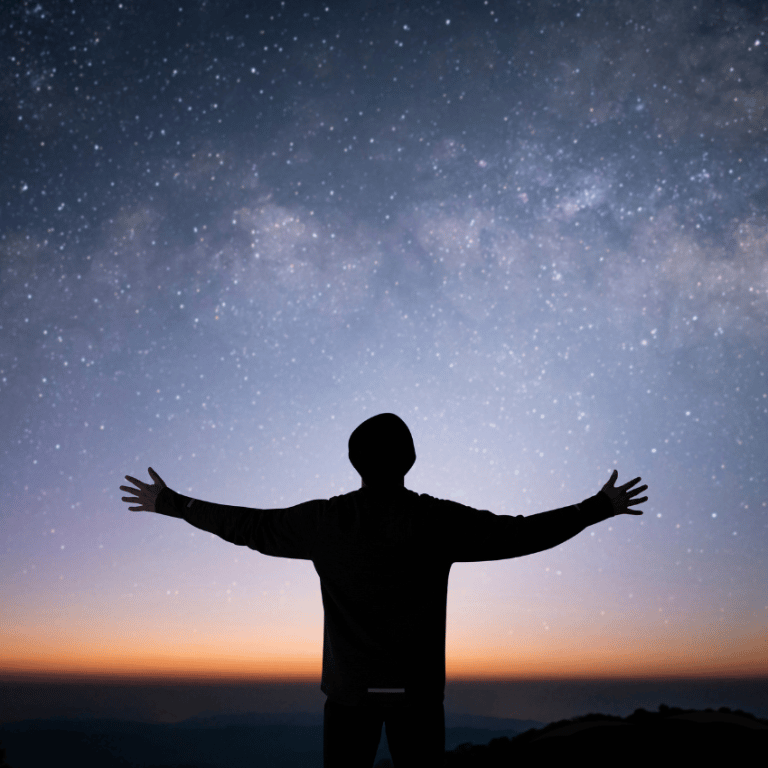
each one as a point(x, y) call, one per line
point(351, 735)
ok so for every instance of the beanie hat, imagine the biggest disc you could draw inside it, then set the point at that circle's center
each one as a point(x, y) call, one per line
point(381, 449)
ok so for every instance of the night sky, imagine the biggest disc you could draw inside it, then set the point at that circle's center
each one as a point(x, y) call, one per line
point(230, 232)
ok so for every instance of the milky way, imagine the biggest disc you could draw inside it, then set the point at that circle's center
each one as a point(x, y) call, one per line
point(537, 233)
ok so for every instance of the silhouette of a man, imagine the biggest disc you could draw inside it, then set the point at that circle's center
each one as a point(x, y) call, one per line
point(383, 554)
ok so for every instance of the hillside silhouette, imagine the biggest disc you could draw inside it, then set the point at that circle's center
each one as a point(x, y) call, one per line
point(671, 733)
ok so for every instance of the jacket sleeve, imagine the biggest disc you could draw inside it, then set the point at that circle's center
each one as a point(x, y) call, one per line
point(277, 532)
point(476, 535)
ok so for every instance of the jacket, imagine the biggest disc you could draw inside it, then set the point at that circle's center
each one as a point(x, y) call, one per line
point(383, 558)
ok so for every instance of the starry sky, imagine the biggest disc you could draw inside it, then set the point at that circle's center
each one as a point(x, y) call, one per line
point(230, 232)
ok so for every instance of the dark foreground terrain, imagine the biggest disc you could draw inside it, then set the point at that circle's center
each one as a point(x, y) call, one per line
point(263, 741)
point(697, 737)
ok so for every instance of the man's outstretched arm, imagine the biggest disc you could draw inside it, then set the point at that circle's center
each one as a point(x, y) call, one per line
point(498, 537)
point(550, 529)
point(276, 532)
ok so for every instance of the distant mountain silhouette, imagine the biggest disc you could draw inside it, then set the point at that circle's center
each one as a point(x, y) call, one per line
point(452, 720)
point(672, 733)
point(258, 740)
point(208, 740)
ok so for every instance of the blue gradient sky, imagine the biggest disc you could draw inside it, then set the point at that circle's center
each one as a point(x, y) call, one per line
point(537, 234)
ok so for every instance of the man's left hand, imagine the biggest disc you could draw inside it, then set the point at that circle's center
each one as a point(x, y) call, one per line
point(146, 495)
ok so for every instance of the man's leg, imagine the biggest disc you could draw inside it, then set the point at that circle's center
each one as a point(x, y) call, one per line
point(351, 735)
point(416, 737)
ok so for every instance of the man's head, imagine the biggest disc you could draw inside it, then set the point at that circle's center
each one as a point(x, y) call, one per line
point(381, 450)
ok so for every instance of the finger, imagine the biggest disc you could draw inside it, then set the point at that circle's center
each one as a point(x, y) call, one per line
point(613, 477)
point(138, 509)
point(630, 483)
point(159, 480)
point(637, 501)
point(130, 499)
point(135, 481)
point(635, 491)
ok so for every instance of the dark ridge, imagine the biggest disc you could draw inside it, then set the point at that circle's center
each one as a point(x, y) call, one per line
point(705, 735)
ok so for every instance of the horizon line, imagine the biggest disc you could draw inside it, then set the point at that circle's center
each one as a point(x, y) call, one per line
point(217, 678)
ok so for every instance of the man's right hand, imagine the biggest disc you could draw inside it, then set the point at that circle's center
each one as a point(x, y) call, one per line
point(621, 497)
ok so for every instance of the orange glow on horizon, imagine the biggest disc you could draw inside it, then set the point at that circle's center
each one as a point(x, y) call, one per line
point(307, 668)
point(149, 649)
